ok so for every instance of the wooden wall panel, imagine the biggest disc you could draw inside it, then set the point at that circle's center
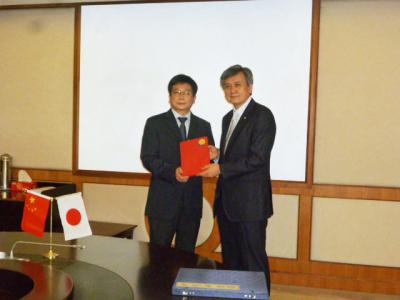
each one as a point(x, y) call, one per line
point(356, 231)
point(357, 124)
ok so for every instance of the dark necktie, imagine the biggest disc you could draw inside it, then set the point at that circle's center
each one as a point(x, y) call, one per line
point(182, 127)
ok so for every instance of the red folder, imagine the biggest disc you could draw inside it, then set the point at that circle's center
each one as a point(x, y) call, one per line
point(194, 155)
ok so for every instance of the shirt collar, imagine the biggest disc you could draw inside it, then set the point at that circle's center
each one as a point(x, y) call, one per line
point(178, 115)
point(238, 112)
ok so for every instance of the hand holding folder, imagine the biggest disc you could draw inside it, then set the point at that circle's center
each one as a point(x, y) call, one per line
point(194, 155)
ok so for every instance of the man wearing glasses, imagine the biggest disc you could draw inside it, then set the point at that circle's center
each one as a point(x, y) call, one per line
point(243, 200)
point(174, 202)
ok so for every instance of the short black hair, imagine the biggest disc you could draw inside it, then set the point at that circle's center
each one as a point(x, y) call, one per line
point(236, 69)
point(182, 78)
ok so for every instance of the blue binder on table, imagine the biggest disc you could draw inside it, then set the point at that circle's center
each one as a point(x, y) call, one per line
point(220, 283)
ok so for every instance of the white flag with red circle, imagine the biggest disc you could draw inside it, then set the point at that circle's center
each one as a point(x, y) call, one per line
point(73, 216)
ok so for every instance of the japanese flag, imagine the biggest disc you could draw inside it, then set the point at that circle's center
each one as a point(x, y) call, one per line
point(73, 216)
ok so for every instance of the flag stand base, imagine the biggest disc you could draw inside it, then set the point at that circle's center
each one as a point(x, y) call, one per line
point(51, 255)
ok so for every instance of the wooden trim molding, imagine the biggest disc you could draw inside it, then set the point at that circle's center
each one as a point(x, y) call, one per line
point(339, 283)
point(312, 106)
point(77, 57)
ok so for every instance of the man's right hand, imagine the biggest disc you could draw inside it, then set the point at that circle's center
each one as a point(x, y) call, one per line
point(179, 175)
point(214, 152)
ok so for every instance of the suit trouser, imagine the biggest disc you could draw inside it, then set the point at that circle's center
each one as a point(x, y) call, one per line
point(243, 245)
point(185, 227)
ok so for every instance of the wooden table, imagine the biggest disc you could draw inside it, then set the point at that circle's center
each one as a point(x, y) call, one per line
point(112, 268)
point(112, 229)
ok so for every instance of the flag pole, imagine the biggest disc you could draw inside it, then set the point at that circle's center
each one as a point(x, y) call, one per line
point(51, 254)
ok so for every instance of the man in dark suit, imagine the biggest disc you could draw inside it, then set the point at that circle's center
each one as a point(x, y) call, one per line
point(243, 200)
point(174, 202)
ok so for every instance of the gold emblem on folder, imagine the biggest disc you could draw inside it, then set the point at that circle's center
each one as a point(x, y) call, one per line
point(202, 142)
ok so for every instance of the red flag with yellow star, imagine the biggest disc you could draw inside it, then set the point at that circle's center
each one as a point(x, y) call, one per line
point(35, 213)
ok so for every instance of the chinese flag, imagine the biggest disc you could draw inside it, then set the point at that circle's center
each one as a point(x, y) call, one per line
point(194, 155)
point(35, 213)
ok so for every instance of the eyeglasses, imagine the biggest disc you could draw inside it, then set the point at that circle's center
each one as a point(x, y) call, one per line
point(181, 92)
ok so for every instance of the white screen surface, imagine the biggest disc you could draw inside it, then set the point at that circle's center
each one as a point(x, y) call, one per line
point(129, 52)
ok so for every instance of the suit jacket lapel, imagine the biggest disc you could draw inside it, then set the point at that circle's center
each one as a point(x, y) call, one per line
point(225, 126)
point(171, 122)
point(192, 127)
point(240, 125)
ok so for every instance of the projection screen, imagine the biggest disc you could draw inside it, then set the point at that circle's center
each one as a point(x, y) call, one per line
point(129, 52)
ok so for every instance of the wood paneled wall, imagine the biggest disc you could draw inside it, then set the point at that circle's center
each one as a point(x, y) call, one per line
point(347, 35)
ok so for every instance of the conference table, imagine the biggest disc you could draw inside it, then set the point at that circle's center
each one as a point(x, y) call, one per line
point(108, 267)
